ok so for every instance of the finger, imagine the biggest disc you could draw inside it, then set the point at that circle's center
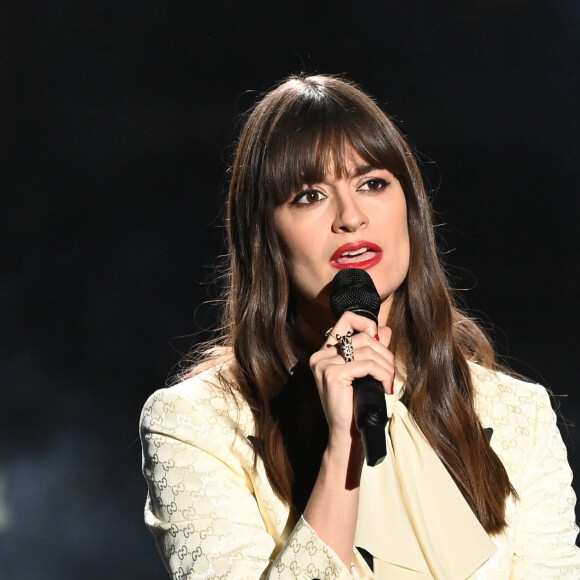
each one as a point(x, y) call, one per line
point(372, 351)
point(358, 341)
point(364, 339)
point(354, 323)
point(383, 357)
point(345, 374)
point(328, 366)
point(385, 334)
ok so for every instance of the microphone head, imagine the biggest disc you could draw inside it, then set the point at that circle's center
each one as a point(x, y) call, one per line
point(353, 290)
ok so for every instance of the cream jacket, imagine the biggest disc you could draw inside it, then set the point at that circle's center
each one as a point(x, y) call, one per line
point(214, 516)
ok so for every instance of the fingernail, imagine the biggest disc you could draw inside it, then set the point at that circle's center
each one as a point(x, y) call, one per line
point(376, 337)
point(393, 383)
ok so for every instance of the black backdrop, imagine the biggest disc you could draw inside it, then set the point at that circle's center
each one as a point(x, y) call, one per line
point(116, 123)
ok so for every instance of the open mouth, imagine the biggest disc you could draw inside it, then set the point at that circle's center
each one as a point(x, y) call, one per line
point(358, 255)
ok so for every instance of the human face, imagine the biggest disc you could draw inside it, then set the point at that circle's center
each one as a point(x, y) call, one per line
point(358, 220)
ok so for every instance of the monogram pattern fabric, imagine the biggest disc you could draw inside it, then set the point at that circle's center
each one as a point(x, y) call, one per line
point(540, 540)
point(215, 516)
point(212, 515)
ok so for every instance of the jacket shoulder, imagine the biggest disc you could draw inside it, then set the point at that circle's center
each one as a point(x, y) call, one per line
point(488, 382)
point(206, 403)
point(516, 410)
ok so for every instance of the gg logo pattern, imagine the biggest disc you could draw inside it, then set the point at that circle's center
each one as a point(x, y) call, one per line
point(214, 515)
point(540, 538)
point(310, 558)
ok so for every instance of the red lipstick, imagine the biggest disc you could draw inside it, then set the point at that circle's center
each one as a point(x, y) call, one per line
point(363, 255)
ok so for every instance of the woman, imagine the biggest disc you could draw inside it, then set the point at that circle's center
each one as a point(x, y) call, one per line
point(254, 466)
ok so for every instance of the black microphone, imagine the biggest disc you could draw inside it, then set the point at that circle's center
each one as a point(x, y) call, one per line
point(353, 290)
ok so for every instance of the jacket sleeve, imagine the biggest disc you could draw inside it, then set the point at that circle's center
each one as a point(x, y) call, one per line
point(546, 532)
point(201, 505)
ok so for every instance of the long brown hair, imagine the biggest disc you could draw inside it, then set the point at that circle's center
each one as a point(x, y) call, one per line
point(293, 135)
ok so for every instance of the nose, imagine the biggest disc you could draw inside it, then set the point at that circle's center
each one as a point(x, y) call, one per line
point(350, 215)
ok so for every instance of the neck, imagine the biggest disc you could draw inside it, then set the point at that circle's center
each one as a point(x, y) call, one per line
point(309, 334)
point(312, 321)
point(385, 309)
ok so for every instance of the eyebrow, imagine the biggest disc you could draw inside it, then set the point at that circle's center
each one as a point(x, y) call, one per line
point(363, 170)
point(357, 172)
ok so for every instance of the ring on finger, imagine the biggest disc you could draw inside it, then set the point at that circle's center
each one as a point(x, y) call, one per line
point(335, 336)
point(346, 347)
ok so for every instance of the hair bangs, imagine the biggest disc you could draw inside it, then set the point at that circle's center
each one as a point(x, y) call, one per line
point(319, 137)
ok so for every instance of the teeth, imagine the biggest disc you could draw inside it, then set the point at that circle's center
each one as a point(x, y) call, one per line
point(355, 252)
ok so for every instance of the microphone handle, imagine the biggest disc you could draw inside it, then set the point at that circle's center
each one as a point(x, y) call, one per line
point(370, 415)
point(370, 410)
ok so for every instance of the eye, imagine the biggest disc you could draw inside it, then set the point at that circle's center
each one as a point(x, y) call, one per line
point(308, 197)
point(374, 184)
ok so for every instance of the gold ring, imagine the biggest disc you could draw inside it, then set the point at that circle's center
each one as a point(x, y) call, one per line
point(346, 348)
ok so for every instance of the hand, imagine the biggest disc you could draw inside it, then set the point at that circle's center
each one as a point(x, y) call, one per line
point(334, 376)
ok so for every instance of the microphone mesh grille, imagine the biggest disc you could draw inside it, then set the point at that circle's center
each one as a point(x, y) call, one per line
point(353, 290)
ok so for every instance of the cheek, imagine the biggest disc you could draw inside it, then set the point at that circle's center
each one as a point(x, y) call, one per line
point(297, 241)
point(404, 256)
point(304, 265)
point(405, 241)
point(399, 219)
point(400, 239)
point(294, 244)
point(301, 262)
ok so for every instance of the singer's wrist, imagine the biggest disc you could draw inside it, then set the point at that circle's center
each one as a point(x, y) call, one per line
point(333, 505)
point(341, 440)
point(346, 460)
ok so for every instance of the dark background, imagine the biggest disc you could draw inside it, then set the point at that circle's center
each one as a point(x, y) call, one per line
point(116, 122)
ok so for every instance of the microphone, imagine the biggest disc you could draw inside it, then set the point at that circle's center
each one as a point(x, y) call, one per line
point(353, 290)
